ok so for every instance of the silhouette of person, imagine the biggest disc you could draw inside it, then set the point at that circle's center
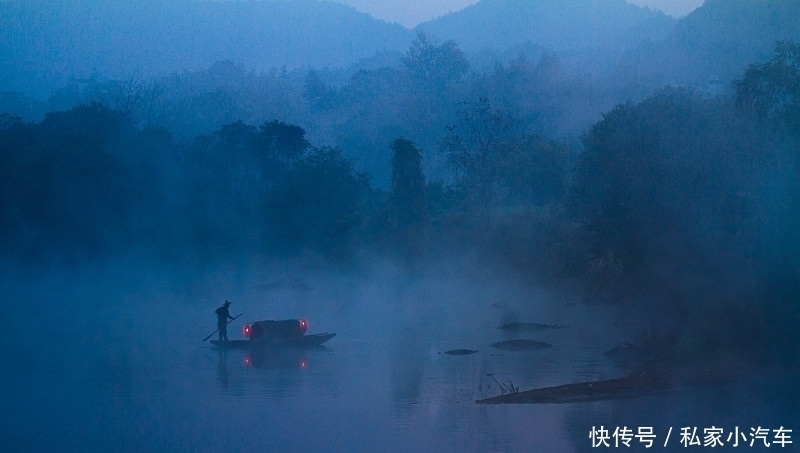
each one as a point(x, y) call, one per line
point(222, 320)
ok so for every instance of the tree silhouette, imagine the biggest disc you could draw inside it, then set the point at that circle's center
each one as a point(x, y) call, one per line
point(317, 202)
point(773, 88)
point(407, 195)
point(317, 93)
point(286, 143)
point(438, 64)
point(477, 147)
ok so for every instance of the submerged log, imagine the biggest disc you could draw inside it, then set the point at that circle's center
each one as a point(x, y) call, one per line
point(624, 387)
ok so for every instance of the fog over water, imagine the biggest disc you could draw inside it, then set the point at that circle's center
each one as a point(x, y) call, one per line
point(531, 226)
point(115, 359)
point(110, 355)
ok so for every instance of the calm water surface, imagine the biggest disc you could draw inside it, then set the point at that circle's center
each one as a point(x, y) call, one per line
point(123, 369)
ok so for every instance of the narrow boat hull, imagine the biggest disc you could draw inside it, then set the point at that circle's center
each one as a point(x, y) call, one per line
point(306, 341)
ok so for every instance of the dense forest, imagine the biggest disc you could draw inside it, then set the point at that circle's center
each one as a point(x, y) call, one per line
point(608, 182)
point(684, 202)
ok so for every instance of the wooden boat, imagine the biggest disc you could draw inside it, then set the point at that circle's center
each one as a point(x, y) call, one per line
point(306, 341)
point(276, 334)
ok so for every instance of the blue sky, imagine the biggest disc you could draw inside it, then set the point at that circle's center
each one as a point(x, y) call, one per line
point(412, 12)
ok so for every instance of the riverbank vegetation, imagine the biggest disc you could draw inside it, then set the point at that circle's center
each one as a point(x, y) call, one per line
point(684, 202)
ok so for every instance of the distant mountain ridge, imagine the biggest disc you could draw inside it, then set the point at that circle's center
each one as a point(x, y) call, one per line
point(722, 37)
point(564, 25)
point(40, 38)
point(715, 43)
point(44, 43)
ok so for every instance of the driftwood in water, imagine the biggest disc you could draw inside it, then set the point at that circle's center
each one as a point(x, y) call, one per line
point(624, 387)
point(521, 345)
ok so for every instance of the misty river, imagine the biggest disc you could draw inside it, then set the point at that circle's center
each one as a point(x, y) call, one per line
point(110, 358)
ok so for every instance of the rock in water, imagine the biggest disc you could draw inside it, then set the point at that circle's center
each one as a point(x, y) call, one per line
point(521, 345)
point(460, 351)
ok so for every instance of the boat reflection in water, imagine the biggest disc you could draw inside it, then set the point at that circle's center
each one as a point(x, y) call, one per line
point(272, 358)
point(287, 363)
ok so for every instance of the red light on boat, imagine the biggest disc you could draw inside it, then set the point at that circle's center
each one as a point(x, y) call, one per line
point(303, 325)
point(247, 361)
point(247, 329)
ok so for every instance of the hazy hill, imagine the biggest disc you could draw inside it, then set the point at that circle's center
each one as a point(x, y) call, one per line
point(712, 45)
point(44, 40)
point(722, 37)
point(564, 25)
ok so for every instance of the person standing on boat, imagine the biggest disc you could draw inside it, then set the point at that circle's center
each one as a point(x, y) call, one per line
point(222, 320)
